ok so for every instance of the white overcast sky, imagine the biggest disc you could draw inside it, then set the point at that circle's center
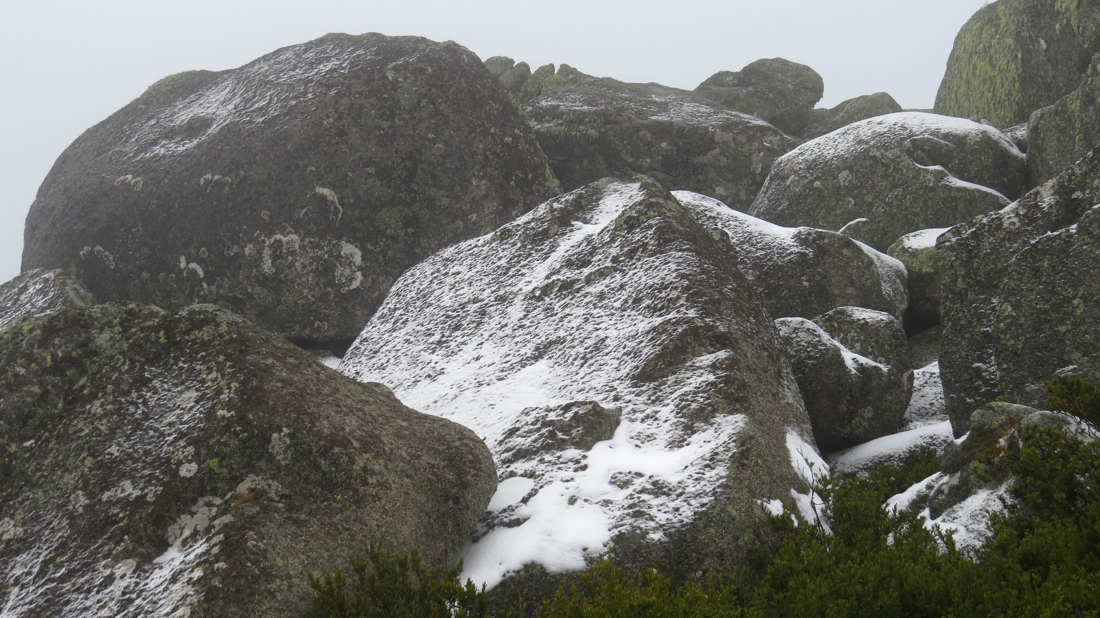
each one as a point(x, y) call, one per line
point(68, 64)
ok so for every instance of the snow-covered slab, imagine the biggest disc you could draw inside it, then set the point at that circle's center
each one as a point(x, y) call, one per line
point(927, 406)
point(890, 449)
point(968, 521)
point(610, 353)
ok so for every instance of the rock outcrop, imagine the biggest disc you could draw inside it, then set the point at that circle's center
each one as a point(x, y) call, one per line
point(852, 368)
point(174, 464)
point(1016, 56)
point(804, 272)
point(603, 127)
point(38, 292)
point(611, 294)
point(777, 90)
point(884, 177)
point(1059, 135)
point(1021, 299)
point(292, 190)
point(853, 110)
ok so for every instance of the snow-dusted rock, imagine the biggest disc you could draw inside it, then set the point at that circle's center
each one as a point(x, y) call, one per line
point(157, 464)
point(852, 367)
point(853, 110)
point(603, 127)
point(899, 173)
point(891, 449)
point(917, 251)
point(39, 292)
point(926, 406)
point(292, 190)
point(775, 89)
point(611, 294)
point(1021, 295)
point(804, 272)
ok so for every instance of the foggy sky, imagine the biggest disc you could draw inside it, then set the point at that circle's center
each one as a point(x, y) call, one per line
point(66, 65)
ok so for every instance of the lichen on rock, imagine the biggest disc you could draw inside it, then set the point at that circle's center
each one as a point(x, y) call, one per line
point(171, 464)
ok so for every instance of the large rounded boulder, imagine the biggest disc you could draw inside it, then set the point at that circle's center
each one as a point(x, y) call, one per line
point(774, 89)
point(174, 464)
point(1016, 56)
point(603, 127)
point(845, 113)
point(292, 190)
point(884, 177)
point(1020, 295)
point(623, 372)
point(852, 368)
point(804, 272)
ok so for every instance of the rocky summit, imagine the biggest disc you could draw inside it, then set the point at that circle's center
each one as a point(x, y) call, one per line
point(292, 190)
point(175, 464)
point(612, 294)
point(735, 295)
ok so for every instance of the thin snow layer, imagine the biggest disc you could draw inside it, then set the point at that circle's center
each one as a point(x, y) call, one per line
point(848, 140)
point(922, 239)
point(103, 580)
point(968, 521)
point(496, 333)
point(763, 242)
point(33, 296)
point(927, 407)
point(643, 102)
point(890, 449)
point(255, 93)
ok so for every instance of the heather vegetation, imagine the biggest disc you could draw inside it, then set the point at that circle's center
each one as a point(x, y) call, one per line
point(1042, 557)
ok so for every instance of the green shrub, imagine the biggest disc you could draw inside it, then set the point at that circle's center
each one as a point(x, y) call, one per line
point(1076, 396)
point(397, 587)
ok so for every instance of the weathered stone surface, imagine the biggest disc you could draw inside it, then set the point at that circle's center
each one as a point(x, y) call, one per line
point(918, 252)
point(1016, 56)
point(547, 79)
point(1021, 299)
point(1059, 135)
point(612, 294)
point(900, 173)
point(173, 464)
point(925, 346)
point(292, 190)
point(1019, 136)
point(852, 367)
point(804, 272)
point(774, 89)
point(853, 110)
point(603, 127)
point(38, 292)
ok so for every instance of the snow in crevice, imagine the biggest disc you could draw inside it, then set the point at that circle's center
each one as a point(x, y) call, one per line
point(968, 521)
point(922, 239)
point(503, 330)
point(812, 469)
point(891, 449)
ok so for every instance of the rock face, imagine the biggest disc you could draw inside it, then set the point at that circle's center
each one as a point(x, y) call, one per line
point(611, 294)
point(853, 110)
point(777, 90)
point(603, 127)
point(1016, 56)
point(917, 251)
point(804, 272)
point(899, 173)
point(852, 367)
point(174, 464)
point(1059, 135)
point(292, 190)
point(39, 292)
point(1021, 299)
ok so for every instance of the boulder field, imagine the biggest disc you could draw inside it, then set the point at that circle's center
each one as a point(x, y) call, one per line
point(734, 287)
